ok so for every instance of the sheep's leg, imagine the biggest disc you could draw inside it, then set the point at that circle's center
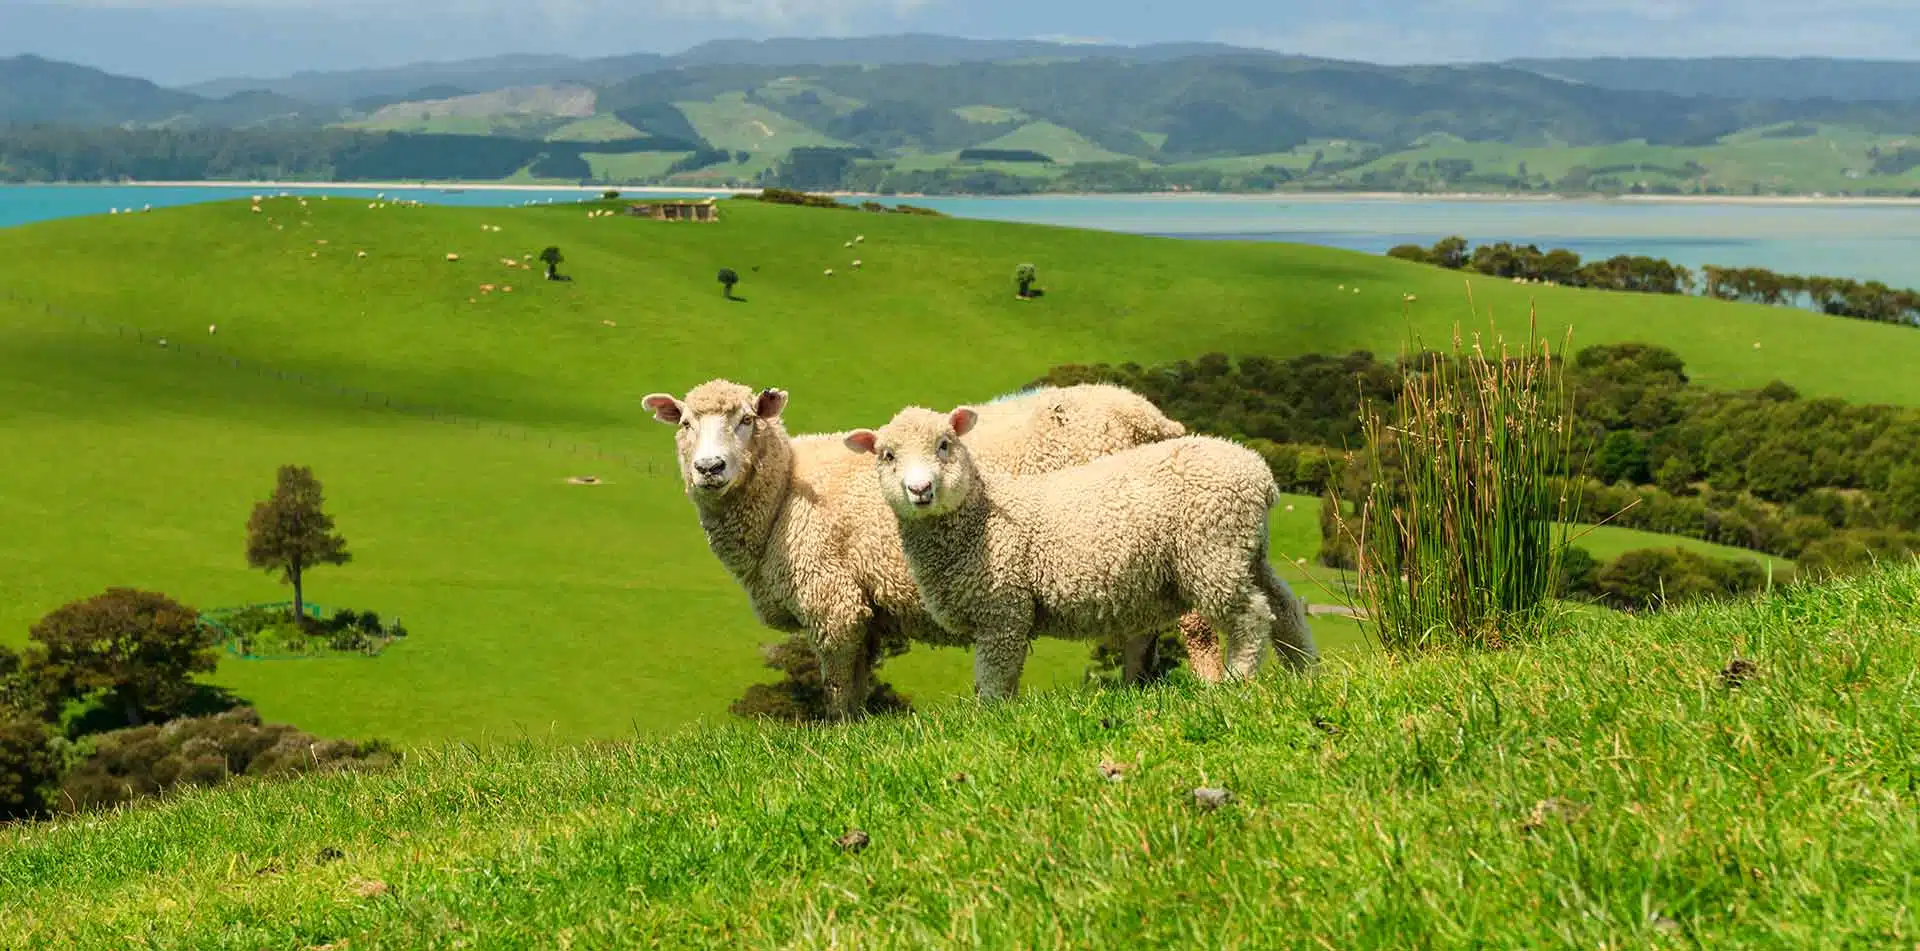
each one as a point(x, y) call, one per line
point(997, 663)
point(1203, 648)
point(1138, 656)
point(846, 670)
point(1292, 636)
point(1246, 629)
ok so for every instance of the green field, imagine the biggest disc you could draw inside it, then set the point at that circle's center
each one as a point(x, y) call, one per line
point(601, 128)
point(1059, 143)
point(1833, 159)
point(552, 609)
point(731, 122)
point(1615, 786)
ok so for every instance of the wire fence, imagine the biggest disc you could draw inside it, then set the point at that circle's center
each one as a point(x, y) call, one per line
point(217, 356)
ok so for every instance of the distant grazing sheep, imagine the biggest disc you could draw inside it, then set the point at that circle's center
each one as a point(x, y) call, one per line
point(800, 522)
point(829, 272)
point(1127, 542)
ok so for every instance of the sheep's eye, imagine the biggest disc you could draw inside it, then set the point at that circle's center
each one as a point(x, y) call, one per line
point(886, 455)
point(942, 447)
point(686, 424)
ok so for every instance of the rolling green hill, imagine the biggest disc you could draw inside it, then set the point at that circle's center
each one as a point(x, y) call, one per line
point(1211, 119)
point(1622, 785)
point(577, 611)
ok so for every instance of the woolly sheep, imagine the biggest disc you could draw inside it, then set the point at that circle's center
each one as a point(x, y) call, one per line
point(800, 524)
point(1126, 542)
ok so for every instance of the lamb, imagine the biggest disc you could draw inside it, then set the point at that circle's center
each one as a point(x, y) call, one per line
point(1125, 542)
point(801, 524)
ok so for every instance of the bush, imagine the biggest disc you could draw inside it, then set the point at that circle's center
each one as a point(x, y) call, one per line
point(126, 765)
point(1467, 548)
point(801, 696)
point(610, 194)
point(788, 196)
point(1653, 578)
point(141, 647)
point(28, 766)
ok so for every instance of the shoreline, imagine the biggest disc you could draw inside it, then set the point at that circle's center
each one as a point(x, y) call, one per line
point(1782, 201)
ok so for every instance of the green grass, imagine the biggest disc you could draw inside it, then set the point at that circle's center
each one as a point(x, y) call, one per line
point(1059, 143)
point(1607, 542)
point(631, 166)
point(731, 122)
point(989, 115)
point(590, 612)
point(600, 128)
point(1819, 162)
point(1599, 789)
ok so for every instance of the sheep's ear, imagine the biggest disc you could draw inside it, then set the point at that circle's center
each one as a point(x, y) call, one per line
point(664, 408)
point(770, 403)
point(962, 420)
point(862, 440)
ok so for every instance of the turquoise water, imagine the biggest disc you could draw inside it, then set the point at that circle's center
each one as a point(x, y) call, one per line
point(1859, 241)
point(22, 204)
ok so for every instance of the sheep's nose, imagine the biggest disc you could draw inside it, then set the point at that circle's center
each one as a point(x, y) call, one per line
point(710, 465)
point(923, 487)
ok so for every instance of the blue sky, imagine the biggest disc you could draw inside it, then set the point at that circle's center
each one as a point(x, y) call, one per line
point(177, 41)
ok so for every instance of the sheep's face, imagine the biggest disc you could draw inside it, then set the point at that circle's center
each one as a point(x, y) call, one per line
point(715, 428)
point(923, 468)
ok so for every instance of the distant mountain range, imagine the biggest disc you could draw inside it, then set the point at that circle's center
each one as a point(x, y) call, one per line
point(484, 75)
point(998, 110)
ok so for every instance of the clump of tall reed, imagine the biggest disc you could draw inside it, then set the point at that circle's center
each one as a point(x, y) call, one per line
point(1466, 496)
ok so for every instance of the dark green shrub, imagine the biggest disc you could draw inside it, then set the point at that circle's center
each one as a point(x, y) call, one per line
point(28, 766)
point(126, 765)
point(800, 696)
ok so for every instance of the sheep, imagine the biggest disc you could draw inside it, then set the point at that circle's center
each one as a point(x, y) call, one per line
point(829, 272)
point(801, 525)
point(1128, 541)
point(211, 328)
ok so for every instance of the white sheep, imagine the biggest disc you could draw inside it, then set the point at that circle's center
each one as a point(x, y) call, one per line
point(211, 328)
point(856, 264)
point(800, 522)
point(829, 272)
point(1129, 541)
point(859, 238)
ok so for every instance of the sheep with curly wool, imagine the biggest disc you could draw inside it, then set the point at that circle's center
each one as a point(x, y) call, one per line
point(801, 524)
point(1125, 542)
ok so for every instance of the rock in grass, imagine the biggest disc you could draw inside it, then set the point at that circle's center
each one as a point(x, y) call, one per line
point(1209, 798)
point(854, 841)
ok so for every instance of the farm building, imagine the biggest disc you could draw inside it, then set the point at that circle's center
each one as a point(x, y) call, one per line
point(705, 210)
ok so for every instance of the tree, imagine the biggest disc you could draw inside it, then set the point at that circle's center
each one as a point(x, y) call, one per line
point(552, 259)
point(727, 280)
point(27, 765)
point(1025, 275)
point(141, 646)
point(1623, 458)
point(291, 532)
point(1450, 253)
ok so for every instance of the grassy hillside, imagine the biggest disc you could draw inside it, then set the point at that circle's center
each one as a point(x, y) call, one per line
point(1624, 785)
point(544, 607)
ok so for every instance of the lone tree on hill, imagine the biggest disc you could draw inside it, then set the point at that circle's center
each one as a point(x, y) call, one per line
point(727, 280)
point(140, 646)
point(1025, 275)
point(290, 532)
point(551, 257)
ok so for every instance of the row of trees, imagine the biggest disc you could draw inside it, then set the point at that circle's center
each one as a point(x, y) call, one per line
point(1830, 484)
point(1836, 296)
point(128, 658)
